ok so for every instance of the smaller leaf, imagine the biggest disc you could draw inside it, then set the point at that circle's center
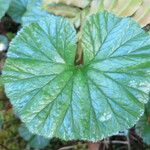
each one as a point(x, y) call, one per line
point(61, 10)
point(34, 141)
point(96, 6)
point(17, 9)
point(34, 12)
point(143, 126)
point(3, 7)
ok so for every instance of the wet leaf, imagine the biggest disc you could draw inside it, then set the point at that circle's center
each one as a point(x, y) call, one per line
point(57, 99)
point(34, 141)
point(17, 9)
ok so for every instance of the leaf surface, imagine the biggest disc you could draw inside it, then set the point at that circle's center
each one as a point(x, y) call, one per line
point(17, 9)
point(57, 99)
point(34, 12)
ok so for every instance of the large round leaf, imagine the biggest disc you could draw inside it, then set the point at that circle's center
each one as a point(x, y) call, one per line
point(57, 99)
point(4, 5)
point(17, 9)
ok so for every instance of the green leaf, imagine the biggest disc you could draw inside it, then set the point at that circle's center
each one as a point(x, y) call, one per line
point(57, 99)
point(17, 9)
point(3, 7)
point(143, 125)
point(34, 141)
point(34, 12)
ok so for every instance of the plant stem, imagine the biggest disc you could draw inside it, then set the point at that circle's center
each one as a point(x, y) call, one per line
point(79, 54)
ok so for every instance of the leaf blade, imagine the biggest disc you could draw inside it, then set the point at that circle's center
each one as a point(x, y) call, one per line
point(57, 99)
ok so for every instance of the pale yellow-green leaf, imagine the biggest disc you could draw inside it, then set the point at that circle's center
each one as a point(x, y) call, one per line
point(61, 9)
point(96, 5)
point(142, 15)
point(126, 7)
point(109, 4)
point(139, 9)
point(77, 3)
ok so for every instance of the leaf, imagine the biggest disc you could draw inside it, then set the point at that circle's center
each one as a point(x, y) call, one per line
point(17, 9)
point(76, 3)
point(34, 141)
point(3, 7)
point(122, 7)
point(96, 6)
point(142, 15)
point(57, 99)
point(143, 125)
point(62, 10)
point(138, 9)
point(34, 12)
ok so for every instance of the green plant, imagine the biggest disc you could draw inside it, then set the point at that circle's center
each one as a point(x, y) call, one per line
point(58, 95)
point(74, 77)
